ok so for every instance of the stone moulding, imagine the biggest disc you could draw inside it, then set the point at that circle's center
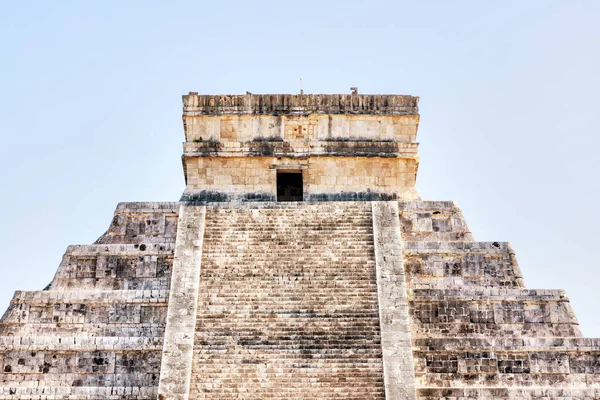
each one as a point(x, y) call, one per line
point(194, 104)
point(314, 148)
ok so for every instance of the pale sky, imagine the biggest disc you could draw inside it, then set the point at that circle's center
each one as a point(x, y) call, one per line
point(90, 112)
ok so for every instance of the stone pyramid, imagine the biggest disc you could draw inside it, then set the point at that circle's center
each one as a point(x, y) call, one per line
point(300, 263)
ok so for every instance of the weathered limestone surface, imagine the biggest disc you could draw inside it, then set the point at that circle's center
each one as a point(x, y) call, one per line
point(360, 291)
point(296, 300)
point(181, 318)
point(347, 147)
point(393, 303)
point(287, 304)
point(194, 104)
point(97, 331)
point(476, 331)
point(324, 178)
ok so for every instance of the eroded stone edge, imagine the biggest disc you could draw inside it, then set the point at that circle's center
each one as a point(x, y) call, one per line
point(398, 369)
point(176, 364)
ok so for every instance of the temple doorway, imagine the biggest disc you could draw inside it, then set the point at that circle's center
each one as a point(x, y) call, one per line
point(289, 186)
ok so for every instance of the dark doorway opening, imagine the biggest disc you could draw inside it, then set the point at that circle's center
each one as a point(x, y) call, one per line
point(289, 186)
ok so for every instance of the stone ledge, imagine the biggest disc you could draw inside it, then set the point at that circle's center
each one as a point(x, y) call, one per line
point(495, 294)
point(121, 249)
point(91, 296)
point(326, 206)
point(148, 207)
point(508, 393)
point(443, 345)
point(194, 104)
point(427, 205)
point(313, 148)
point(80, 343)
point(457, 247)
point(14, 392)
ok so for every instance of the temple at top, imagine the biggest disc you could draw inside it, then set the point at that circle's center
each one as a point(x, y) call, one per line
point(284, 147)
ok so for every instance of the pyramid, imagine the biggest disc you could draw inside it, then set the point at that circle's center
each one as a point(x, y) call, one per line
point(299, 263)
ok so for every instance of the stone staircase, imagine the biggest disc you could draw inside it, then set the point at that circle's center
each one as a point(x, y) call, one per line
point(476, 331)
point(288, 308)
point(288, 304)
point(97, 331)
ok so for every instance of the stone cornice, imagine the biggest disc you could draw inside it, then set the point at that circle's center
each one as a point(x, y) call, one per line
point(301, 149)
point(379, 104)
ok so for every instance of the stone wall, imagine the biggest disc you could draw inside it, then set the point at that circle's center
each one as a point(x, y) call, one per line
point(355, 147)
point(314, 127)
point(324, 178)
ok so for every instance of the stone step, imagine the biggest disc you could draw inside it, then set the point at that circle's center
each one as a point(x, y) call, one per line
point(222, 318)
point(332, 265)
point(305, 381)
point(340, 206)
point(323, 228)
point(239, 255)
point(293, 221)
point(350, 324)
point(289, 306)
point(276, 276)
point(288, 301)
point(356, 256)
point(292, 288)
point(287, 242)
point(325, 342)
point(273, 360)
point(299, 305)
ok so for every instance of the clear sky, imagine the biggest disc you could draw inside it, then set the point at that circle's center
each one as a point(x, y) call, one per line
point(90, 112)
